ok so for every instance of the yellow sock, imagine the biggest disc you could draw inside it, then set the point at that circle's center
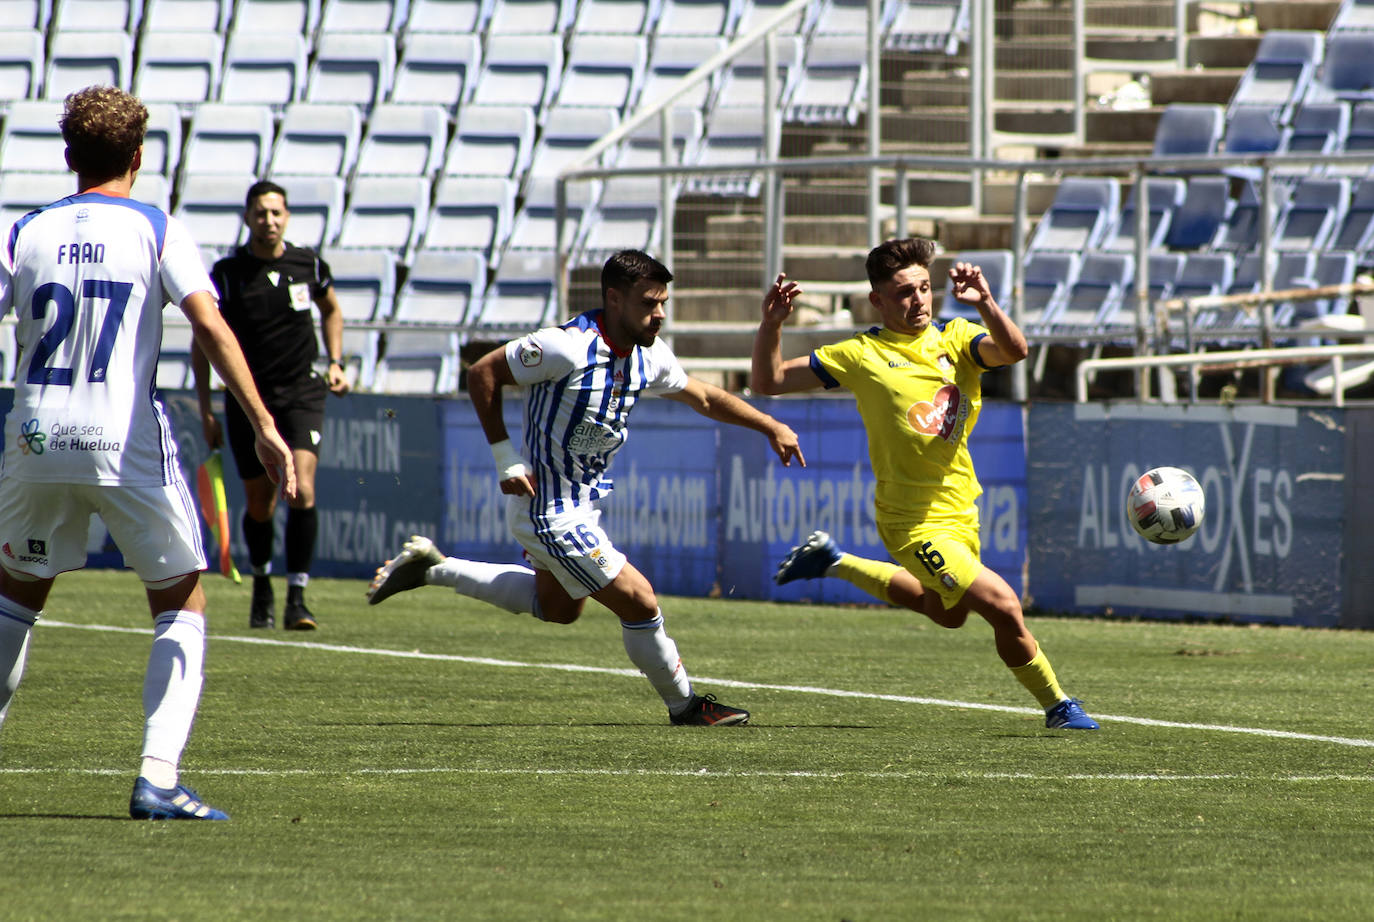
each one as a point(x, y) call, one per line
point(1038, 677)
point(872, 576)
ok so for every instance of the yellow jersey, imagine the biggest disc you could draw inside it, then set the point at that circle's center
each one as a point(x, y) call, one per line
point(919, 397)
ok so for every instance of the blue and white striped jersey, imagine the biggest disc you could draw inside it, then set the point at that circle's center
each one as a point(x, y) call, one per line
point(87, 278)
point(579, 393)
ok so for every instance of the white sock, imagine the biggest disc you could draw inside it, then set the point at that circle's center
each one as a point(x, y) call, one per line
point(505, 585)
point(16, 624)
point(171, 686)
point(653, 651)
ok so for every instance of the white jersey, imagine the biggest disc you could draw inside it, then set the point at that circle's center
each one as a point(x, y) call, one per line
point(580, 391)
point(87, 277)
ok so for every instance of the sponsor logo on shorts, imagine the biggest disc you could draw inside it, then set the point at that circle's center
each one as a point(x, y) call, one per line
point(37, 552)
point(949, 582)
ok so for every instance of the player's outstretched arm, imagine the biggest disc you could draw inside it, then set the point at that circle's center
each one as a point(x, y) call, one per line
point(769, 374)
point(1005, 343)
point(486, 377)
point(721, 405)
point(218, 346)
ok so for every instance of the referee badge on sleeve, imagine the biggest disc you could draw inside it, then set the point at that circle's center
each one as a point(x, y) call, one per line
point(529, 354)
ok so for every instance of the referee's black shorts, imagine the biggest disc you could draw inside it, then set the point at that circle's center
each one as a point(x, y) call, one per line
point(298, 410)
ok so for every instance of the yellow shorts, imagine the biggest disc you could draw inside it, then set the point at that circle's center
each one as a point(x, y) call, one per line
point(943, 557)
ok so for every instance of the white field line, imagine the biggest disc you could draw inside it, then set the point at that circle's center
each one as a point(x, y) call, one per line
point(727, 773)
point(734, 683)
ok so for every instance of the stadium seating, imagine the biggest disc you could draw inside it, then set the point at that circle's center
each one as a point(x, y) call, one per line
point(211, 207)
point(96, 15)
point(354, 68)
point(733, 136)
point(567, 134)
point(1346, 72)
point(153, 188)
point(1189, 129)
point(524, 17)
point(180, 67)
point(1165, 196)
point(1046, 278)
point(841, 17)
point(615, 17)
point(298, 17)
point(25, 14)
point(627, 216)
point(79, 59)
point(1354, 15)
point(520, 70)
point(928, 25)
point(1313, 215)
point(21, 193)
point(695, 17)
point(674, 57)
point(603, 71)
point(754, 13)
point(263, 67)
point(457, 16)
point(1205, 208)
point(1277, 78)
point(471, 213)
point(1356, 230)
point(316, 204)
point(441, 288)
point(162, 141)
point(1205, 275)
point(437, 69)
point(385, 211)
point(30, 140)
point(1255, 130)
point(187, 15)
point(365, 285)
point(1164, 270)
point(536, 218)
point(1329, 268)
point(227, 138)
point(521, 295)
point(1241, 230)
point(491, 141)
point(1091, 303)
point(362, 16)
point(21, 64)
point(403, 141)
point(742, 82)
point(317, 140)
point(643, 146)
point(833, 84)
point(1320, 128)
point(997, 271)
point(1083, 211)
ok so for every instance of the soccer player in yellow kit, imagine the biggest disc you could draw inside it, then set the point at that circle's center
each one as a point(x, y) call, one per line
point(917, 383)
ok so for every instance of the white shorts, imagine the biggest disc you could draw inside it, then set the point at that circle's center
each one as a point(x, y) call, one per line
point(570, 544)
point(43, 527)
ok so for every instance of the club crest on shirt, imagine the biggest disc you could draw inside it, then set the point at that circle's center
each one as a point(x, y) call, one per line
point(529, 354)
point(946, 365)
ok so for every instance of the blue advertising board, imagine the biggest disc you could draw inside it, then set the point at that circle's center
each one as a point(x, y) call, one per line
point(1271, 544)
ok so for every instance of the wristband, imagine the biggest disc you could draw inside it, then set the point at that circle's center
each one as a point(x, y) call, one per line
point(338, 362)
point(508, 461)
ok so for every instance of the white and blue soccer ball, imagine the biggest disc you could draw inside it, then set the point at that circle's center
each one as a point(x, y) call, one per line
point(1165, 505)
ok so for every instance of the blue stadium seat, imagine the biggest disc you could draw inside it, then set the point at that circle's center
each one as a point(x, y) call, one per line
point(96, 16)
point(1255, 130)
point(463, 17)
point(1205, 208)
point(615, 17)
point(521, 294)
point(77, 60)
point(403, 141)
point(491, 141)
point(362, 16)
point(1083, 211)
point(352, 68)
point(534, 227)
point(1189, 129)
point(520, 70)
point(211, 207)
point(752, 14)
point(296, 17)
point(626, 217)
point(742, 81)
point(316, 204)
point(226, 138)
point(603, 71)
point(1313, 215)
point(385, 211)
point(440, 288)
point(1354, 15)
point(187, 15)
point(1278, 76)
point(1046, 278)
point(1241, 230)
point(264, 67)
point(568, 133)
point(525, 17)
point(25, 14)
point(1320, 128)
point(1093, 300)
point(365, 285)
point(1356, 230)
point(1346, 72)
point(733, 136)
point(1204, 275)
point(997, 271)
point(30, 140)
point(162, 141)
point(1165, 196)
point(674, 57)
point(471, 213)
point(696, 17)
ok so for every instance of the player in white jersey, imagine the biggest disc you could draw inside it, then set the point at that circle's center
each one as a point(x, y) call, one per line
point(582, 380)
point(87, 278)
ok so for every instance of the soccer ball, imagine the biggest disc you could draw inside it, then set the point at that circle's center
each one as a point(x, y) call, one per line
point(1165, 505)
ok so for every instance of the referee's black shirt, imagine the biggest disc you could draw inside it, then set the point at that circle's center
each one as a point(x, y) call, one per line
point(267, 303)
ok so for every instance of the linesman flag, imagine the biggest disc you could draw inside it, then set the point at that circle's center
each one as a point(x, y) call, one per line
point(215, 508)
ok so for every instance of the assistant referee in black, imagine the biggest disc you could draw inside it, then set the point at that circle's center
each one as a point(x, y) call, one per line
point(266, 289)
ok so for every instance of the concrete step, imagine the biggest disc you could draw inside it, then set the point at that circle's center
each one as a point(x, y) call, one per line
point(1037, 85)
point(1295, 14)
point(1034, 54)
point(935, 192)
point(985, 233)
point(920, 88)
point(1141, 14)
point(999, 196)
point(936, 124)
point(825, 264)
point(1043, 119)
point(837, 231)
point(1212, 84)
point(1109, 125)
point(1143, 48)
point(1222, 50)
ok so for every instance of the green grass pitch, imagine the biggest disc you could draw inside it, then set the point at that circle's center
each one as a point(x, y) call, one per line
point(424, 760)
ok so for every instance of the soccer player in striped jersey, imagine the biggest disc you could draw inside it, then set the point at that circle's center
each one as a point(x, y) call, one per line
point(87, 277)
point(917, 384)
point(582, 379)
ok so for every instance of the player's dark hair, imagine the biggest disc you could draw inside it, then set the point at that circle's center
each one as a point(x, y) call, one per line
point(892, 256)
point(103, 128)
point(625, 268)
point(264, 187)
